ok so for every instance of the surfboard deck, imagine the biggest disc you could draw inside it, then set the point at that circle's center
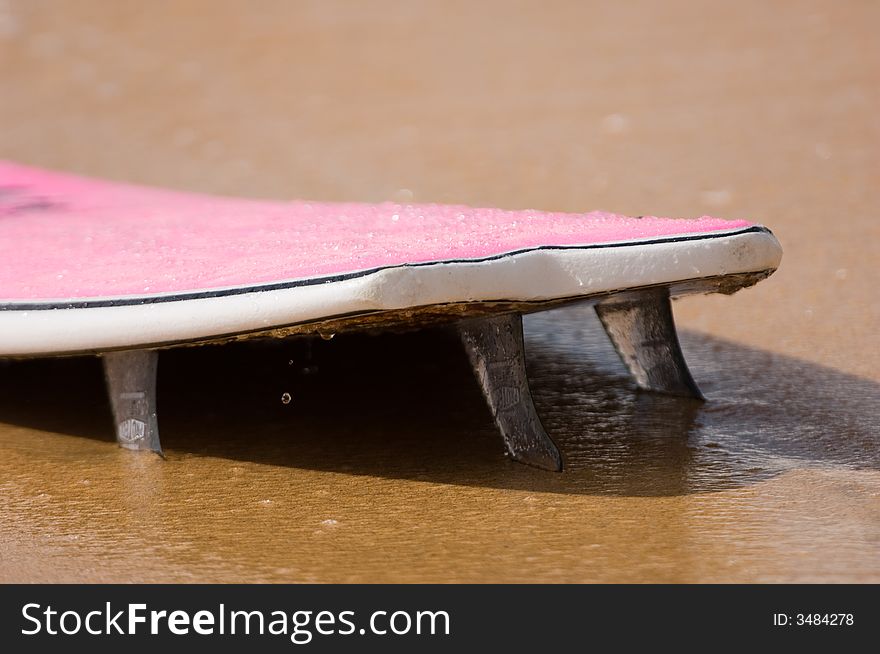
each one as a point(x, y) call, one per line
point(90, 266)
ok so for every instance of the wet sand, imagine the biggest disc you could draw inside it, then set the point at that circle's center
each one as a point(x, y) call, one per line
point(385, 466)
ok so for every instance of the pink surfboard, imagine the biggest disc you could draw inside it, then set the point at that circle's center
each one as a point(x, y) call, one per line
point(89, 266)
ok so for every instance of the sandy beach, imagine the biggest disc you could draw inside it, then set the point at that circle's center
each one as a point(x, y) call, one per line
point(385, 466)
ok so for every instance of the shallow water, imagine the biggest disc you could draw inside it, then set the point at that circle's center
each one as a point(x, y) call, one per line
point(384, 464)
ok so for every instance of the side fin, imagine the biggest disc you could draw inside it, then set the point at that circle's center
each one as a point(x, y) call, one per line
point(641, 327)
point(131, 383)
point(495, 348)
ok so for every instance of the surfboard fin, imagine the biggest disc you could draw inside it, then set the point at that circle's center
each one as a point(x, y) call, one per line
point(131, 383)
point(641, 327)
point(497, 354)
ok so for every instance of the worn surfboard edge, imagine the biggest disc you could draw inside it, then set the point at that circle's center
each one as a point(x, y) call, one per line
point(427, 316)
point(531, 280)
point(96, 302)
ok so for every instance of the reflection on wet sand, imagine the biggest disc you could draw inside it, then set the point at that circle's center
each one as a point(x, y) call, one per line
point(386, 433)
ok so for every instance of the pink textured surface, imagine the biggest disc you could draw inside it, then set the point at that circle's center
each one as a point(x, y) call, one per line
point(68, 237)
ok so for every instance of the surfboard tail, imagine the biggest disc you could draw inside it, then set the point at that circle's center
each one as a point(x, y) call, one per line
point(90, 266)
